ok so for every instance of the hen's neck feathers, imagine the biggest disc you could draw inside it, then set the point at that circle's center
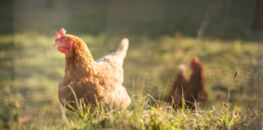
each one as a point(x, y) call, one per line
point(79, 60)
point(197, 81)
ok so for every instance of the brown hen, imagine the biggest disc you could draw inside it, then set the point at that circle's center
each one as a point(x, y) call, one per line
point(88, 80)
point(191, 89)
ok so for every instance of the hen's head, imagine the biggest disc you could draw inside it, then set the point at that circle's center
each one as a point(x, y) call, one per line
point(196, 64)
point(62, 42)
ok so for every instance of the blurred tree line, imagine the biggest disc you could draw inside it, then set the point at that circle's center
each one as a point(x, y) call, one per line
point(213, 18)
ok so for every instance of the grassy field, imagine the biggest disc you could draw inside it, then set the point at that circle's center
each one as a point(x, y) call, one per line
point(31, 69)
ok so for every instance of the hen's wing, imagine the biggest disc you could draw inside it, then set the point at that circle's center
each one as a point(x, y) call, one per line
point(112, 64)
point(179, 85)
point(110, 72)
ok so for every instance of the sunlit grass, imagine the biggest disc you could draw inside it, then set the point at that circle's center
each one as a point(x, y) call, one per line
point(31, 69)
point(143, 116)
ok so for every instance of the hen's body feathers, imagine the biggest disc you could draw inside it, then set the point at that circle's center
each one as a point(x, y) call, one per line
point(92, 81)
point(191, 89)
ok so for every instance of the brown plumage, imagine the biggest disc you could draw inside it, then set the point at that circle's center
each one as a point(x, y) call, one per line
point(191, 89)
point(92, 81)
point(179, 86)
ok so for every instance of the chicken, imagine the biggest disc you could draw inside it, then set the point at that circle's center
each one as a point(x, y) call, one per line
point(197, 81)
point(88, 80)
point(190, 89)
point(179, 86)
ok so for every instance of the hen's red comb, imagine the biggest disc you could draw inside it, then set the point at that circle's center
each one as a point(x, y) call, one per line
point(61, 33)
point(195, 60)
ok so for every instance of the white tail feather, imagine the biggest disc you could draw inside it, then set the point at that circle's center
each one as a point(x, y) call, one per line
point(123, 47)
point(182, 67)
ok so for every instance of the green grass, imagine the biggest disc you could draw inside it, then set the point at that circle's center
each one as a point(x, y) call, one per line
point(31, 69)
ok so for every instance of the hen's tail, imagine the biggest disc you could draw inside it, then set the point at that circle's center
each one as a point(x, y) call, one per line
point(182, 67)
point(183, 72)
point(123, 47)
